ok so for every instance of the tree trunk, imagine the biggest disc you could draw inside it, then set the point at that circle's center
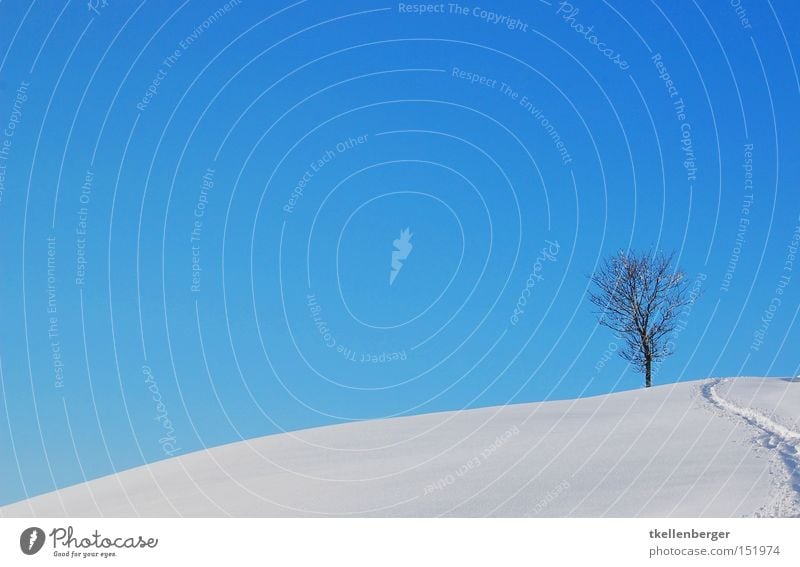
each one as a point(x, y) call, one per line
point(647, 364)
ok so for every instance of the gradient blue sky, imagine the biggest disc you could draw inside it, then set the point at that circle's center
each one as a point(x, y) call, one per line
point(293, 323)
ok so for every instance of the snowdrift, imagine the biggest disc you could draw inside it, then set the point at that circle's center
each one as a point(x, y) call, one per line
point(711, 448)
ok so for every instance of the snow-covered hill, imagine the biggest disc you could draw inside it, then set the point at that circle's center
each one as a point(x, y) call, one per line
point(720, 447)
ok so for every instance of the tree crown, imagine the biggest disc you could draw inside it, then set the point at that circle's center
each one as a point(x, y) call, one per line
point(640, 297)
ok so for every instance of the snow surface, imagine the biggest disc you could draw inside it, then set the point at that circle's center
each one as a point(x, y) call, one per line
point(712, 448)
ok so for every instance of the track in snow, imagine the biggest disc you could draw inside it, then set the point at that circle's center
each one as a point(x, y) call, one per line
point(775, 438)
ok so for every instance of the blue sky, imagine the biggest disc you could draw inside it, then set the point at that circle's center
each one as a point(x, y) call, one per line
point(199, 204)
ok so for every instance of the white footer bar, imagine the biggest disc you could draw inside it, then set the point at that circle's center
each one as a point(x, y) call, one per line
point(398, 542)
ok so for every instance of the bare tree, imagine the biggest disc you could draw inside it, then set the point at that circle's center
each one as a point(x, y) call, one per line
point(640, 297)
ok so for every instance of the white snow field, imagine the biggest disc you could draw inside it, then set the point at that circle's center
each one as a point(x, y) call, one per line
point(711, 448)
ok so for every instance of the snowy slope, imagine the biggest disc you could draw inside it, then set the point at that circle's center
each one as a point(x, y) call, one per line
point(771, 398)
point(707, 448)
